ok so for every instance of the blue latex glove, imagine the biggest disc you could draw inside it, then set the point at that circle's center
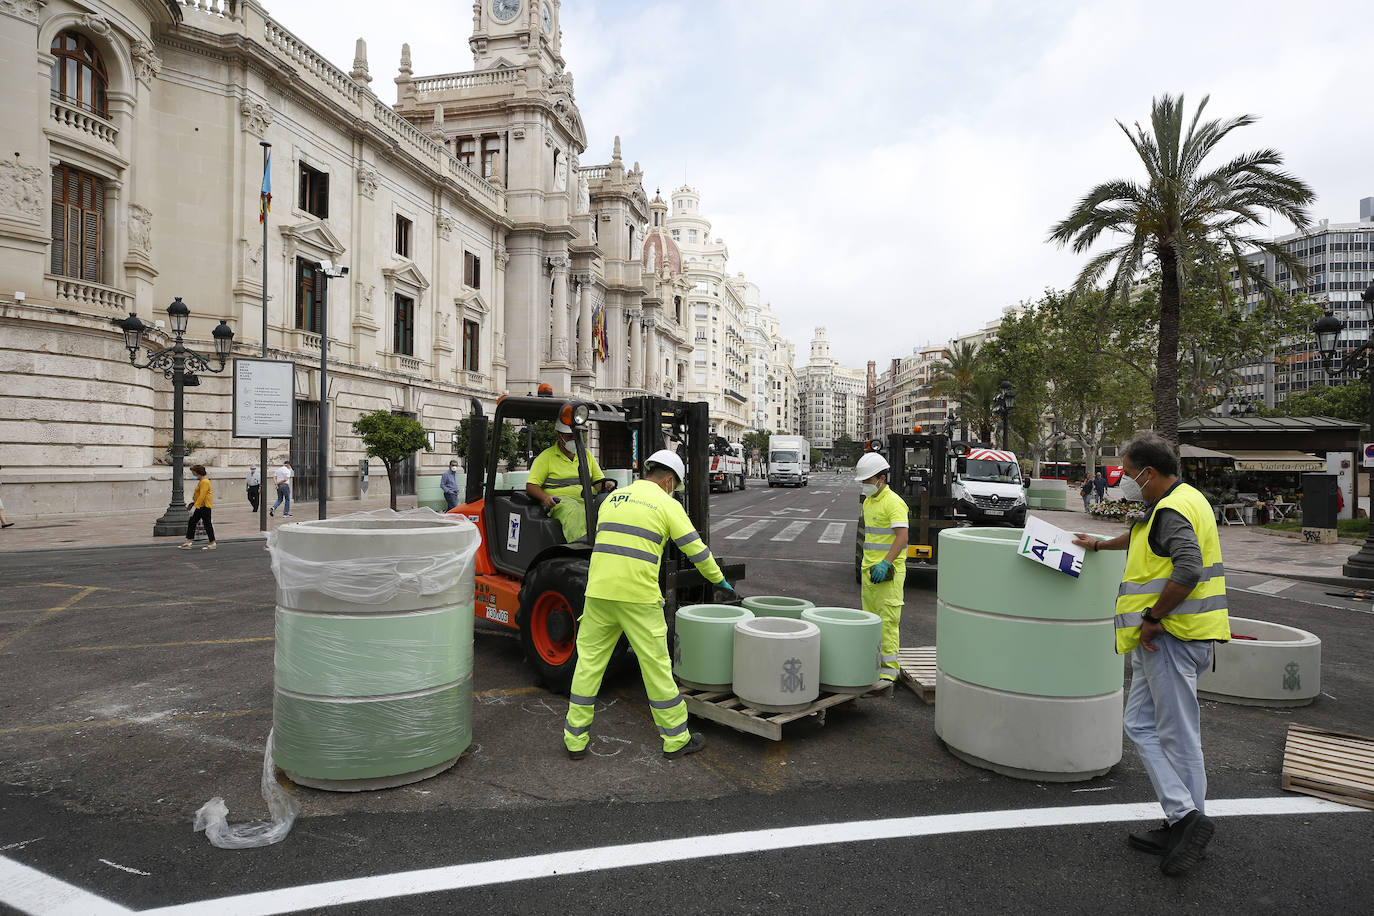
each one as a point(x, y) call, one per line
point(726, 587)
point(878, 572)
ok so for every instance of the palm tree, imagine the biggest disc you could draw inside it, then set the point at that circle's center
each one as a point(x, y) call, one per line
point(1174, 214)
point(957, 378)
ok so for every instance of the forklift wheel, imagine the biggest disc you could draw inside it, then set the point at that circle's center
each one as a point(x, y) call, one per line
point(550, 606)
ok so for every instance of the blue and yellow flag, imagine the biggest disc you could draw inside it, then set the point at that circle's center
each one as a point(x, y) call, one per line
point(265, 199)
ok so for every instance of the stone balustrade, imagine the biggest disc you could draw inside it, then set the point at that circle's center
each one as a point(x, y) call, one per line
point(449, 82)
point(73, 118)
point(223, 9)
point(85, 293)
point(301, 53)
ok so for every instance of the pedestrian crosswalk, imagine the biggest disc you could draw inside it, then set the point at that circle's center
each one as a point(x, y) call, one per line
point(783, 529)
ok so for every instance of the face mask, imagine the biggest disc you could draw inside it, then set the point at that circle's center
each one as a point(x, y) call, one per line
point(1130, 488)
point(568, 447)
point(868, 489)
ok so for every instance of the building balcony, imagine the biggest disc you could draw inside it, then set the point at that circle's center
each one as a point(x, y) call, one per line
point(84, 293)
point(735, 395)
point(71, 120)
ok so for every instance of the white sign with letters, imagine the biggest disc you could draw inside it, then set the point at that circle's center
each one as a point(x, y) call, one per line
point(1049, 546)
point(264, 398)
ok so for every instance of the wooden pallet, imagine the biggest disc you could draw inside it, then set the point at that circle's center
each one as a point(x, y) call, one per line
point(1331, 765)
point(918, 670)
point(729, 710)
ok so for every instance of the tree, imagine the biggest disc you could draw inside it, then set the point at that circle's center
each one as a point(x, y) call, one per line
point(958, 380)
point(392, 438)
point(1021, 355)
point(1346, 402)
point(1173, 215)
point(845, 451)
point(510, 442)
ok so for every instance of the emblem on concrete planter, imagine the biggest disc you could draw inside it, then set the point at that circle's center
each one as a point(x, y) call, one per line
point(792, 679)
point(1291, 679)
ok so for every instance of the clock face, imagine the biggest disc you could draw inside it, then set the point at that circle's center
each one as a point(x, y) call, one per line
point(548, 20)
point(505, 10)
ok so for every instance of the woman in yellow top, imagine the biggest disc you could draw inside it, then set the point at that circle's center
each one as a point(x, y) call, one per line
point(203, 501)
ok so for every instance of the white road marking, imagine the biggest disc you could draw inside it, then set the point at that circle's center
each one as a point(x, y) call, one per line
point(748, 531)
point(28, 890)
point(833, 533)
point(132, 871)
point(790, 532)
point(608, 858)
point(717, 524)
point(1272, 586)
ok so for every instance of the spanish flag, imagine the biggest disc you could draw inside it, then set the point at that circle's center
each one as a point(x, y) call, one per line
point(265, 199)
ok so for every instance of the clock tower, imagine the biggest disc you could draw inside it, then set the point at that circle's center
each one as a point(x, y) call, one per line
point(515, 33)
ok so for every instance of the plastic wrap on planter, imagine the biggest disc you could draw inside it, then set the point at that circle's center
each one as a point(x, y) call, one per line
point(213, 816)
point(704, 655)
point(777, 606)
point(1028, 682)
point(851, 646)
point(374, 647)
point(777, 663)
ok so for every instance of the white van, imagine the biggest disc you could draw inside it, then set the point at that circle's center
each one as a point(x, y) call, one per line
point(988, 489)
point(789, 461)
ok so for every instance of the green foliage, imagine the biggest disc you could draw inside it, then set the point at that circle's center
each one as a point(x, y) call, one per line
point(1174, 221)
point(392, 438)
point(815, 458)
point(756, 440)
point(1345, 402)
point(510, 442)
point(967, 380)
point(845, 450)
point(544, 435)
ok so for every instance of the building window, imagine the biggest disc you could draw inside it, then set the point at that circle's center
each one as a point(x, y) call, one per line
point(78, 75)
point(677, 235)
point(472, 270)
point(471, 332)
point(402, 236)
point(467, 152)
point(491, 148)
point(78, 225)
point(310, 292)
point(314, 192)
point(403, 330)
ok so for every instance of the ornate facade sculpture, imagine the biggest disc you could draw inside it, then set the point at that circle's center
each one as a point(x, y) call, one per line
point(22, 189)
point(256, 116)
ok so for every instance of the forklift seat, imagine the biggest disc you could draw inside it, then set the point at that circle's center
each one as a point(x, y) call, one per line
point(521, 530)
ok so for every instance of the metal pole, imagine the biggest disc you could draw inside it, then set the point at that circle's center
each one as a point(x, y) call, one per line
point(262, 443)
point(322, 461)
point(175, 518)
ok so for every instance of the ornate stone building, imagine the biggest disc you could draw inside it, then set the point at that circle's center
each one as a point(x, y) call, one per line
point(832, 398)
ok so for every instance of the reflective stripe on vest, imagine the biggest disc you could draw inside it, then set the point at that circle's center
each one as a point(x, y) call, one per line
point(562, 482)
point(647, 534)
point(1202, 615)
point(878, 540)
point(632, 552)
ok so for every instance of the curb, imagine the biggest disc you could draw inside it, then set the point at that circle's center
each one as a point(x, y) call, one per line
point(170, 542)
point(1342, 581)
point(1297, 535)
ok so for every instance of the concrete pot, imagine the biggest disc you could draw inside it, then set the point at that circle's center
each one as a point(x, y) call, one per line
point(704, 656)
point(373, 682)
point(851, 643)
point(777, 663)
point(1282, 667)
point(1028, 682)
point(777, 606)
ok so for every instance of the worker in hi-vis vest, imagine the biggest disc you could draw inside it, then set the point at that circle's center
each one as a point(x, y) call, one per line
point(555, 482)
point(882, 574)
point(633, 526)
point(1170, 613)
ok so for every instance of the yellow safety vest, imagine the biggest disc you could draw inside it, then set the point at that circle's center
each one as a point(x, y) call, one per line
point(1202, 615)
point(881, 511)
point(632, 528)
point(557, 473)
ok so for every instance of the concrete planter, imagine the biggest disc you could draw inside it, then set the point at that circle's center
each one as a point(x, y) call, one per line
point(1028, 682)
point(1281, 667)
point(777, 606)
point(374, 648)
point(851, 643)
point(704, 657)
point(777, 663)
point(1047, 493)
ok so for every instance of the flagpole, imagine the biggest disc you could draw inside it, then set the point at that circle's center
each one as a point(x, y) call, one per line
point(264, 204)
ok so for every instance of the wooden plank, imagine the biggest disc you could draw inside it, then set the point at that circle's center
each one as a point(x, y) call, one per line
point(732, 719)
point(1331, 765)
point(918, 666)
point(730, 711)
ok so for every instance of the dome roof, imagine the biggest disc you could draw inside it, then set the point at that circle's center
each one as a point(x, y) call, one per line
point(661, 250)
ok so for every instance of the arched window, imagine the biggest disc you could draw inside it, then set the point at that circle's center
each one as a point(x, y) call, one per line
point(78, 75)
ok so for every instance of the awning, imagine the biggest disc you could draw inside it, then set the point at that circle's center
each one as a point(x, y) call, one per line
point(1277, 461)
point(1197, 451)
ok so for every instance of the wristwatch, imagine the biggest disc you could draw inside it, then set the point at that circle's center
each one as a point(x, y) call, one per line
point(1145, 615)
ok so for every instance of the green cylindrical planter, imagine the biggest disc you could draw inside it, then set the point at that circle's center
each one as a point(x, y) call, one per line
point(1028, 680)
point(777, 606)
point(374, 648)
point(704, 657)
point(851, 643)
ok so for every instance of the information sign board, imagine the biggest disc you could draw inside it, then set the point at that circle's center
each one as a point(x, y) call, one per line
point(264, 398)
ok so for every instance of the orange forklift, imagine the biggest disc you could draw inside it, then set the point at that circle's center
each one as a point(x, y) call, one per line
point(529, 578)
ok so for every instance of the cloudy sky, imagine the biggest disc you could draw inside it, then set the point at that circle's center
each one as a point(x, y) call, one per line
point(891, 169)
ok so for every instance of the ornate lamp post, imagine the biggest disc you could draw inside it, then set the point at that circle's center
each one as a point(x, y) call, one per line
point(179, 364)
point(1328, 330)
point(1003, 402)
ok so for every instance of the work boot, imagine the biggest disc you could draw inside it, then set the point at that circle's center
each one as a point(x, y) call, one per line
point(694, 744)
point(1155, 842)
point(576, 755)
point(1188, 839)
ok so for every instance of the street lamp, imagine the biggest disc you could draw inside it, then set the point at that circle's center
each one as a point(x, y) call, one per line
point(1003, 402)
point(1328, 330)
point(1244, 405)
point(949, 424)
point(178, 363)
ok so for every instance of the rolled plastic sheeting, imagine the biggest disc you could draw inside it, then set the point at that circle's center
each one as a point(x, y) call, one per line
point(777, 663)
point(777, 606)
point(704, 657)
point(374, 647)
point(1028, 682)
point(851, 646)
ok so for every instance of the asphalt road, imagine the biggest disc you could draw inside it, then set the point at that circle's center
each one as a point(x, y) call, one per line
point(136, 683)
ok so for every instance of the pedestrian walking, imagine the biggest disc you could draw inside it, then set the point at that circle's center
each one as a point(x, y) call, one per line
point(254, 484)
point(1170, 613)
point(3, 522)
point(622, 596)
point(882, 573)
point(449, 484)
point(1086, 491)
point(283, 477)
point(1100, 486)
point(202, 501)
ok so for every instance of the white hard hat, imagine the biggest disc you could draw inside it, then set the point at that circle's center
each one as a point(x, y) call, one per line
point(668, 459)
point(871, 463)
point(561, 427)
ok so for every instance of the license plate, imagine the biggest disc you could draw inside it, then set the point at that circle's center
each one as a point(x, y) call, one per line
point(994, 512)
